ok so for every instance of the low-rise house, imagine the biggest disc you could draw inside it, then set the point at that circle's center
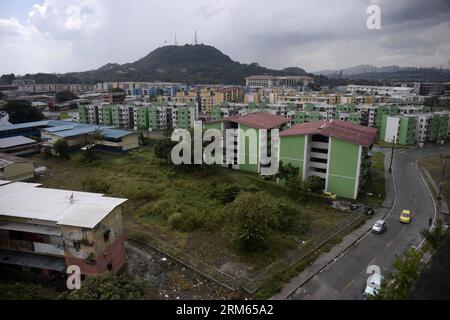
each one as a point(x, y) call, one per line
point(47, 230)
point(19, 145)
point(15, 168)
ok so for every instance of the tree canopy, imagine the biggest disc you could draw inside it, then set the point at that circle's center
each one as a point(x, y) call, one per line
point(22, 111)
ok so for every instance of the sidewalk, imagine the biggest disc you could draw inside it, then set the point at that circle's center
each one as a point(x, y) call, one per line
point(348, 241)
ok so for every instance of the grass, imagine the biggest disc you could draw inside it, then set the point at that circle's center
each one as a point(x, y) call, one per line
point(435, 165)
point(158, 194)
point(376, 184)
point(385, 144)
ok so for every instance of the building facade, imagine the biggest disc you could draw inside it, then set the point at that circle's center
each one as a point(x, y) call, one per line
point(49, 230)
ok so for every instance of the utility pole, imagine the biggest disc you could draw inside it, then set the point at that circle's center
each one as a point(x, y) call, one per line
point(441, 185)
point(392, 154)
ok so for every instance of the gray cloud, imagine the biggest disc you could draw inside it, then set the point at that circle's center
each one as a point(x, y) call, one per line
point(73, 35)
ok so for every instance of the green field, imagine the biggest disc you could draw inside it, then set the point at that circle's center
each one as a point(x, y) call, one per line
point(160, 194)
point(435, 165)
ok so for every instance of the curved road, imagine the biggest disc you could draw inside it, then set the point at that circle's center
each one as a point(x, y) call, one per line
point(346, 278)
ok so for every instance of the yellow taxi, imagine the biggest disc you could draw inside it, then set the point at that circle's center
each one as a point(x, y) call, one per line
point(405, 216)
point(330, 195)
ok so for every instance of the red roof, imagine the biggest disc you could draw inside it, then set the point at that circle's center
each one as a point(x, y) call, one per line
point(338, 129)
point(259, 120)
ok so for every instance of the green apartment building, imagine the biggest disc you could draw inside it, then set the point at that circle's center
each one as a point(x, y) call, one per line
point(336, 151)
point(385, 110)
point(401, 129)
point(415, 129)
point(247, 155)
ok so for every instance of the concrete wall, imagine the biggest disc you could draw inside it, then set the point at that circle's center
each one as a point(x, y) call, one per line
point(343, 171)
point(19, 171)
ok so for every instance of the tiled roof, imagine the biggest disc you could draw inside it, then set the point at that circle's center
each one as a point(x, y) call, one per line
point(338, 129)
point(259, 120)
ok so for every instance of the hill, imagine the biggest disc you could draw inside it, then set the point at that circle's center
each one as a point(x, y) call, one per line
point(193, 64)
point(388, 73)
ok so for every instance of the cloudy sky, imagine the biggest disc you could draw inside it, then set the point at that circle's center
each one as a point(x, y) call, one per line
point(77, 35)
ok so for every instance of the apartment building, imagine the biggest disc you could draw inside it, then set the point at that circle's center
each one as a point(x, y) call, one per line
point(246, 156)
point(336, 151)
point(88, 113)
point(415, 129)
point(274, 81)
point(46, 230)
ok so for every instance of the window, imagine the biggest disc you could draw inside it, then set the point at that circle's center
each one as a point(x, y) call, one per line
point(77, 245)
point(106, 235)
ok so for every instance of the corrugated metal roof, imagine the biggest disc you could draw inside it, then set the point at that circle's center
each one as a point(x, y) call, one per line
point(15, 141)
point(28, 200)
point(43, 123)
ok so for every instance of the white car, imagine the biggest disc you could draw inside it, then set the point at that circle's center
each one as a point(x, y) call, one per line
point(379, 226)
point(374, 285)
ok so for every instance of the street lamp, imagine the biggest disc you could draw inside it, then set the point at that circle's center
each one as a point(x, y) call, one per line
point(392, 154)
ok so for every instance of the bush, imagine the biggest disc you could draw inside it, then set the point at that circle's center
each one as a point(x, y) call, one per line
point(291, 219)
point(228, 194)
point(21, 291)
point(109, 286)
point(250, 217)
point(61, 148)
point(95, 185)
point(314, 184)
point(186, 221)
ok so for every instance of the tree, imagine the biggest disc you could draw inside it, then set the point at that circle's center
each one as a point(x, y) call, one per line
point(89, 153)
point(61, 148)
point(287, 172)
point(64, 96)
point(250, 217)
point(22, 111)
point(163, 149)
point(399, 283)
point(436, 236)
point(7, 78)
point(108, 286)
point(314, 184)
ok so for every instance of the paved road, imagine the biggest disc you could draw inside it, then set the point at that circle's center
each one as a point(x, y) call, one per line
point(346, 278)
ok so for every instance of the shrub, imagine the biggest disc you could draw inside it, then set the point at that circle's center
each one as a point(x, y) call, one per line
point(250, 217)
point(95, 185)
point(186, 221)
point(314, 184)
point(291, 219)
point(61, 148)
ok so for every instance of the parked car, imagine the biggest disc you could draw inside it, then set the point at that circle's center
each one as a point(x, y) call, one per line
point(330, 195)
point(369, 211)
point(379, 227)
point(374, 286)
point(353, 206)
point(405, 216)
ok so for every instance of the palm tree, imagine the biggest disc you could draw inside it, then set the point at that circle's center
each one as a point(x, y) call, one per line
point(435, 236)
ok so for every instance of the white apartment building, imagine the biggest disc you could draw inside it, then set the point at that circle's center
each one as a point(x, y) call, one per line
point(381, 90)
